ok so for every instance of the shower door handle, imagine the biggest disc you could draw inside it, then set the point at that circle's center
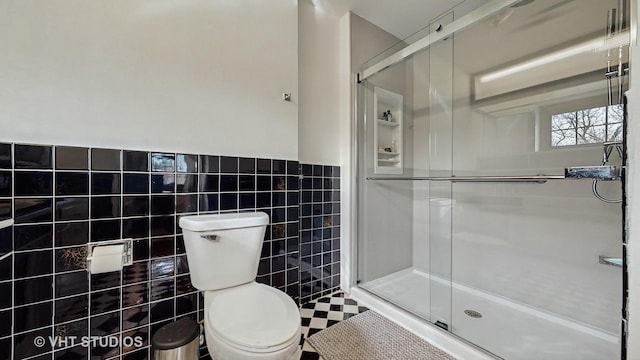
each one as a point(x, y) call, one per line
point(604, 172)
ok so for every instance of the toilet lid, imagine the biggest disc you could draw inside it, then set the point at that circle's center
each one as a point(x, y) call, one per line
point(256, 317)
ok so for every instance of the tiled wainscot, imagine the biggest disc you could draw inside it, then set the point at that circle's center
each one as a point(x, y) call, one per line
point(319, 231)
point(64, 197)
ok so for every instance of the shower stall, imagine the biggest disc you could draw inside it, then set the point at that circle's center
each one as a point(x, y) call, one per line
point(490, 153)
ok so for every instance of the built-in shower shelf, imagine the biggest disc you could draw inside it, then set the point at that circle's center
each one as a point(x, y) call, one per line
point(387, 132)
point(388, 123)
point(387, 153)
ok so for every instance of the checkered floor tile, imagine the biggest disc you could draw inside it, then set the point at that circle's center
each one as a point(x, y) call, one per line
point(320, 314)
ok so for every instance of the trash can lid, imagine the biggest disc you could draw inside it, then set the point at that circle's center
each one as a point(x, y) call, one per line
point(175, 334)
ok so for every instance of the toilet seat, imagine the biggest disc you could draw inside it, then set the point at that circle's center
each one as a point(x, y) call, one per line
point(255, 318)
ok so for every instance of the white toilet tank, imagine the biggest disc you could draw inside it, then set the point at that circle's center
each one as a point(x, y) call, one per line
point(223, 250)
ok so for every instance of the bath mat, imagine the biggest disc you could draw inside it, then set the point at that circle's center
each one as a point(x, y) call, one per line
point(371, 336)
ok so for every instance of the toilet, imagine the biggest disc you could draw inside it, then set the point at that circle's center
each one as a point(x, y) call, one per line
point(243, 319)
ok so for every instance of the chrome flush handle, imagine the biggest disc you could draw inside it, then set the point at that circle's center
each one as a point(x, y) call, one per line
point(211, 237)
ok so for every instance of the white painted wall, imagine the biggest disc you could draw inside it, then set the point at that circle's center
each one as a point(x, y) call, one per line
point(192, 76)
point(367, 41)
point(319, 64)
point(348, 260)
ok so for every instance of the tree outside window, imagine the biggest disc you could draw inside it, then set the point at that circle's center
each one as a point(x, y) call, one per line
point(588, 126)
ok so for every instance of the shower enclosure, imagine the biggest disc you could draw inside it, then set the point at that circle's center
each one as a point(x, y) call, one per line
point(489, 160)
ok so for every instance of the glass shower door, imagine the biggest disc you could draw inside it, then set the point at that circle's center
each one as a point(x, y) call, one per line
point(392, 238)
point(531, 96)
point(465, 217)
point(440, 163)
point(404, 222)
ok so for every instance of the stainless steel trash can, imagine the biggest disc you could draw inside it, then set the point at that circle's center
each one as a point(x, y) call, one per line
point(179, 340)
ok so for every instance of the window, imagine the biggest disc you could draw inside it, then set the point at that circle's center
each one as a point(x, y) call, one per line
point(588, 126)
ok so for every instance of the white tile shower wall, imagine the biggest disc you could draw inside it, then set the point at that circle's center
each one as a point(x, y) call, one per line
point(549, 234)
point(61, 197)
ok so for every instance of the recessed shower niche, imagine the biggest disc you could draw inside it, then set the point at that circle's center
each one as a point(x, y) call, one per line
point(387, 132)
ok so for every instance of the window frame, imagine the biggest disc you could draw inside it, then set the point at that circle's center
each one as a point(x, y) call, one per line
point(546, 113)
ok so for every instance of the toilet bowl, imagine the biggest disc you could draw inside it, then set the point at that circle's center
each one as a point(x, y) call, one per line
point(243, 319)
point(252, 321)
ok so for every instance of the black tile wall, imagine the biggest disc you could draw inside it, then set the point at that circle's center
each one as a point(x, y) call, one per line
point(72, 158)
point(319, 216)
point(63, 197)
point(32, 157)
point(5, 156)
point(274, 264)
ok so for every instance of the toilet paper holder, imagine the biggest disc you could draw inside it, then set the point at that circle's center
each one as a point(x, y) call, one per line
point(127, 253)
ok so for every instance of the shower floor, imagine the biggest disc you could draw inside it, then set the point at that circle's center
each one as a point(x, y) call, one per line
point(408, 289)
point(510, 329)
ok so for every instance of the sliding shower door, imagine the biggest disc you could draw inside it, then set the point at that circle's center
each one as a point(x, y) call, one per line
point(468, 214)
point(532, 98)
point(393, 232)
point(440, 159)
point(404, 225)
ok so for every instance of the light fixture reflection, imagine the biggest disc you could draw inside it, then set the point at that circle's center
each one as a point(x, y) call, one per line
point(598, 44)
